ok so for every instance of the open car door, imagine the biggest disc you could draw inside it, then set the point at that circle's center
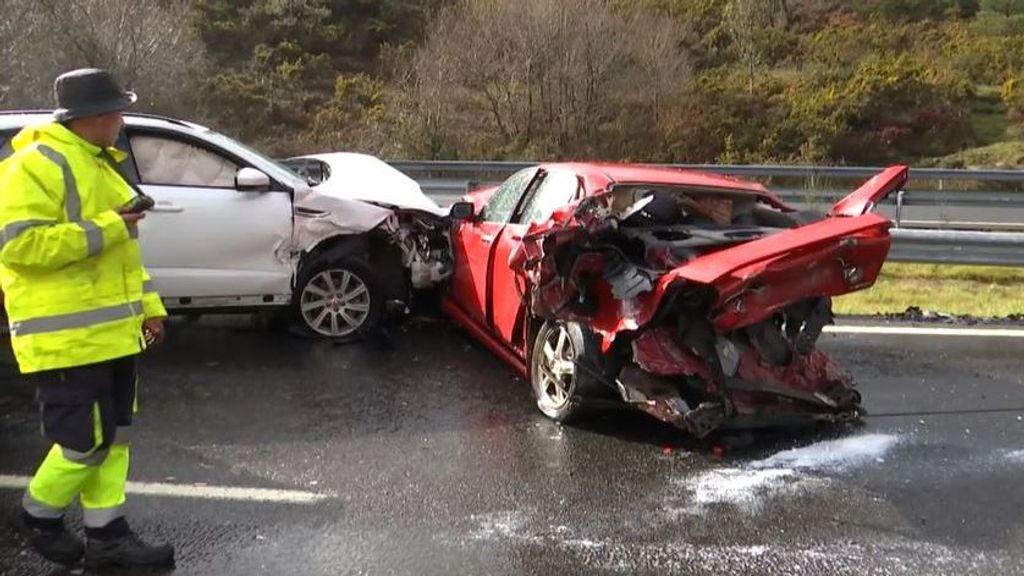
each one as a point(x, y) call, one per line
point(863, 200)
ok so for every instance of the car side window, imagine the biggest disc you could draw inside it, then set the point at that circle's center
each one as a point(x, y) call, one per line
point(505, 199)
point(162, 160)
point(557, 189)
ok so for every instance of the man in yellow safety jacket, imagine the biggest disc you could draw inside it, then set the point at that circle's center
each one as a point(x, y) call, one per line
point(81, 308)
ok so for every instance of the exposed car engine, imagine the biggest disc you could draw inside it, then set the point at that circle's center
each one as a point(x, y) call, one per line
point(423, 239)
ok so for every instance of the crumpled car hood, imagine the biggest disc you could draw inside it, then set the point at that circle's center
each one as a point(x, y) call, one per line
point(369, 179)
point(319, 216)
point(361, 193)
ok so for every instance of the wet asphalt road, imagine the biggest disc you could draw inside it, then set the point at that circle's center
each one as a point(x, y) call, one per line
point(433, 460)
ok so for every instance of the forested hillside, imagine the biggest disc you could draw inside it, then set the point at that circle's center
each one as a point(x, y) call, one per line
point(814, 81)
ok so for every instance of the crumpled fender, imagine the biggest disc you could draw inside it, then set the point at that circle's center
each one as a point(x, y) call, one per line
point(318, 217)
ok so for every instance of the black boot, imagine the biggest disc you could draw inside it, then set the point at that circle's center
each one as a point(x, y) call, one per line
point(49, 538)
point(127, 551)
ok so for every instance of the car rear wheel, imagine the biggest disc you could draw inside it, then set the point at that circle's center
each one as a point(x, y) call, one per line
point(565, 368)
point(338, 300)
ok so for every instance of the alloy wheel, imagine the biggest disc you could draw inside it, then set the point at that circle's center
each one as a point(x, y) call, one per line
point(335, 303)
point(556, 369)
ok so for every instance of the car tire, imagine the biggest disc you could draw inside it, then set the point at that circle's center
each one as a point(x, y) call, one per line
point(566, 367)
point(338, 300)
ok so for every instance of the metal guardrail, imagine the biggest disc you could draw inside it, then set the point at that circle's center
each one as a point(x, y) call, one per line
point(740, 170)
point(957, 247)
point(944, 216)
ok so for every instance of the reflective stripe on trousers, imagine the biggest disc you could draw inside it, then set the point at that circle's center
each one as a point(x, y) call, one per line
point(86, 458)
point(103, 493)
point(100, 517)
point(59, 481)
point(75, 319)
point(40, 509)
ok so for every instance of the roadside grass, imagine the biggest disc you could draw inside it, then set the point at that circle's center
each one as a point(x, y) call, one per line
point(983, 291)
point(988, 115)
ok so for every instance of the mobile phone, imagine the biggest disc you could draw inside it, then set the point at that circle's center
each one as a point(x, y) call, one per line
point(139, 204)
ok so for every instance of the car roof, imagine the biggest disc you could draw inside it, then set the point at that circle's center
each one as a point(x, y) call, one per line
point(624, 173)
point(647, 174)
point(17, 119)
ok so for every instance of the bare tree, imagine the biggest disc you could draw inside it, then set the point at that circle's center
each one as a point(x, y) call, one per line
point(16, 23)
point(539, 78)
point(150, 45)
point(745, 19)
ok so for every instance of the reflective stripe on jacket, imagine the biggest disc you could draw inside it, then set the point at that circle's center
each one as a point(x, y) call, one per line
point(75, 289)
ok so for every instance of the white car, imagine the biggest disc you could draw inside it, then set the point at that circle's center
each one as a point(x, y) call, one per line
point(234, 230)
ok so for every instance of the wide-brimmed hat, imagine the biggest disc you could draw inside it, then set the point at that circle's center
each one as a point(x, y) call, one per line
point(89, 92)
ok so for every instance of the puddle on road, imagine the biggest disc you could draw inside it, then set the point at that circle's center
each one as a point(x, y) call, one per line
point(746, 486)
point(521, 526)
point(628, 554)
point(832, 455)
point(794, 470)
point(506, 524)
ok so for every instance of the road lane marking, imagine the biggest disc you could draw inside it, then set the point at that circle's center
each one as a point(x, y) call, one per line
point(200, 491)
point(927, 331)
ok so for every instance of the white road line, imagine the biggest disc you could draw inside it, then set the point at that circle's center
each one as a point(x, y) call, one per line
point(199, 491)
point(927, 331)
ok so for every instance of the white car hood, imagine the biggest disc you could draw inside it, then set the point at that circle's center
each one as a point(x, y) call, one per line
point(369, 179)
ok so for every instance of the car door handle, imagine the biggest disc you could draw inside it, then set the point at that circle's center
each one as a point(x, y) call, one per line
point(487, 239)
point(166, 207)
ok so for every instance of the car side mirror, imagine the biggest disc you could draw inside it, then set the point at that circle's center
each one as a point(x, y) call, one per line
point(251, 180)
point(463, 211)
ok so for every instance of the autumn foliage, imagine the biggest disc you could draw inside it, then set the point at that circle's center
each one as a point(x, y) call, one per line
point(864, 82)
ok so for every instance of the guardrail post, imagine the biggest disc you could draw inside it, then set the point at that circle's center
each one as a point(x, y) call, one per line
point(899, 207)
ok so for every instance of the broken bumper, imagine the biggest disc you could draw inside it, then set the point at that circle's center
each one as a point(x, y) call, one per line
point(672, 383)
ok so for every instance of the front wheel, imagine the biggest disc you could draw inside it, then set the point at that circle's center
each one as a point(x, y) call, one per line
point(338, 300)
point(565, 369)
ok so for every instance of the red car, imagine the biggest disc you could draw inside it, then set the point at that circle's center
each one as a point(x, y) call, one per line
point(694, 297)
